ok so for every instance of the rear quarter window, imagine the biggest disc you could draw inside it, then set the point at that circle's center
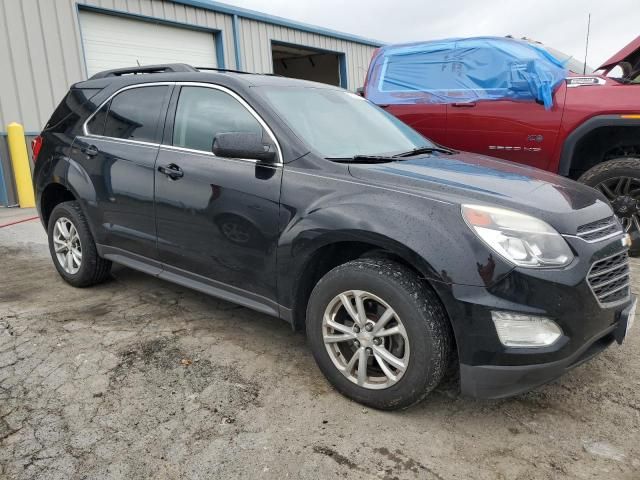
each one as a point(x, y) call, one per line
point(74, 106)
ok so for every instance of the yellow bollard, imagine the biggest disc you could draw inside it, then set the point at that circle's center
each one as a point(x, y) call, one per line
point(20, 164)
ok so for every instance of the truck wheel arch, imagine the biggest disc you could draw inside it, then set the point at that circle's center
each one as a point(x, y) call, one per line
point(569, 164)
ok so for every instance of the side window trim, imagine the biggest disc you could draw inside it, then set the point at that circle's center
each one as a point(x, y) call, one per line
point(164, 113)
point(170, 109)
point(167, 132)
point(167, 138)
point(160, 124)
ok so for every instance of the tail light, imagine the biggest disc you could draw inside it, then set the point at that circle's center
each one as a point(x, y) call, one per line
point(36, 145)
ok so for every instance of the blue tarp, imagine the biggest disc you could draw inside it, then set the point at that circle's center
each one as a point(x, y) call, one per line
point(464, 70)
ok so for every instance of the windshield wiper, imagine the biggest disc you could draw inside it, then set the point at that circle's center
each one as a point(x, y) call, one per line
point(364, 159)
point(431, 149)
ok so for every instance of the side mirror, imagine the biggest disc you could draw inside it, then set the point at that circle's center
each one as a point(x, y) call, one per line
point(242, 145)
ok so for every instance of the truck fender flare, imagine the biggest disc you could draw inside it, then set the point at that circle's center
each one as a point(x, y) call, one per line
point(570, 143)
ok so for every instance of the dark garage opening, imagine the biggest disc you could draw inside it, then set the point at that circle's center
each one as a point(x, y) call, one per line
point(306, 63)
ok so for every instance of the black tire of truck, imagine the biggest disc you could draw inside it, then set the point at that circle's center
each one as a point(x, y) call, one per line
point(619, 180)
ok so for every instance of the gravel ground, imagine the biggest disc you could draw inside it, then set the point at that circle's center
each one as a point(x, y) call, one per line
point(138, 378)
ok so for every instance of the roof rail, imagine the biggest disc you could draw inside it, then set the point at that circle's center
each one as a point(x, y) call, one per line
point(221, 69)
point(163, 68)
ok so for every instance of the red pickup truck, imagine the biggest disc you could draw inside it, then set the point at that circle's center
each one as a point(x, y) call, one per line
point(590, 133)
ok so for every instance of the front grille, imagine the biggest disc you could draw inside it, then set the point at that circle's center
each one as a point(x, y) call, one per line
point(609, 278)
point(599, 230)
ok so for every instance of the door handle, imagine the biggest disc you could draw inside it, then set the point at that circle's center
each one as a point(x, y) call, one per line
point(463, 104)
point(172, 171)
point(90, 150)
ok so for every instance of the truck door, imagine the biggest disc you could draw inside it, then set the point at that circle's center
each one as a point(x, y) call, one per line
point(520, 131)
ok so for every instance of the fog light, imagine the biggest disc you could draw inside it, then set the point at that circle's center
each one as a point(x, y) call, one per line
point(517, 330)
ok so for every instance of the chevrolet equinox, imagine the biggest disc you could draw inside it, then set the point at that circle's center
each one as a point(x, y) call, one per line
point(402, 259)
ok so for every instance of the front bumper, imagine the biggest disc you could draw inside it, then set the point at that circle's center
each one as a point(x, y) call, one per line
point(488, 369)
point(495, 381)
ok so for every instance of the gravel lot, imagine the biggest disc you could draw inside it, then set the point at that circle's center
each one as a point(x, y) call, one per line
point(138, 378)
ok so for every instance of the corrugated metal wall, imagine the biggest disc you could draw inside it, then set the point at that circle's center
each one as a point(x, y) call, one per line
point(39, 47)
point(41, 39)
point(255, 45)
point(41, 51)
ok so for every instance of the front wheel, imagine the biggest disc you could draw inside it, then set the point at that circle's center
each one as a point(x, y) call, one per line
point(378, 333)
point(619, 181)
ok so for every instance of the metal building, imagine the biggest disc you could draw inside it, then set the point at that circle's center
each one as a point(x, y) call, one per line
point(46, 45)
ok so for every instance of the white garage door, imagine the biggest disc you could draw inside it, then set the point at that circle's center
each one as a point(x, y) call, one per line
point(114, 42)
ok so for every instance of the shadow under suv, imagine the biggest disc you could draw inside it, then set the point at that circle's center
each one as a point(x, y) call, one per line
point(400, 258)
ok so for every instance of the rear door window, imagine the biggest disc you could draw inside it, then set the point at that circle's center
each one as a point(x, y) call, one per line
point(203, 113)
point(135, 114)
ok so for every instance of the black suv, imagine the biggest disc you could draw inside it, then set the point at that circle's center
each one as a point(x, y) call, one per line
point(401, 258)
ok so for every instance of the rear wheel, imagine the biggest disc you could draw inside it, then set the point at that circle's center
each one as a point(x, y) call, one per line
point(72, 247)
point(619, 181)
point(378, 333)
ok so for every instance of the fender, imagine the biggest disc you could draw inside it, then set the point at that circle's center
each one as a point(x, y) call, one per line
point(406, 232)
point(62, 182)
point(62, 170)
point(570, 143)
point(48, 172)
point(304, 249)
point(79, 183)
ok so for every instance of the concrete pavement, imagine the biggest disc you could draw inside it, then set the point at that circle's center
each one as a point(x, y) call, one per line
point(139, 378)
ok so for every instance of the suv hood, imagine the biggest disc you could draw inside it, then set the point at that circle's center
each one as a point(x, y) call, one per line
point(629, 53)
point(470, 178)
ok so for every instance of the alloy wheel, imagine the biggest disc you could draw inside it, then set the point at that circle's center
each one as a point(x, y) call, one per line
point(365, 339)
point(623, 194)
point(67, 246)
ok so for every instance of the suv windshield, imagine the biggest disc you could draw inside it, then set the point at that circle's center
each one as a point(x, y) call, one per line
point(340, 124)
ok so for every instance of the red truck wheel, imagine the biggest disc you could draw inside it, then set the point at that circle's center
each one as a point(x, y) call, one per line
point(619, 181)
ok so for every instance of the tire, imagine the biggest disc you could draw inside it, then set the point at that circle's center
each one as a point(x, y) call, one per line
point(91, 269)
point(604, 177)
point(426, 352)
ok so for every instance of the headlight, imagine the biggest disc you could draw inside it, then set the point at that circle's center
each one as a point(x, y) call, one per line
point(523, 240)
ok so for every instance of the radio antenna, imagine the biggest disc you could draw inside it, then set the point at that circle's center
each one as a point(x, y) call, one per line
point(586, 48)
